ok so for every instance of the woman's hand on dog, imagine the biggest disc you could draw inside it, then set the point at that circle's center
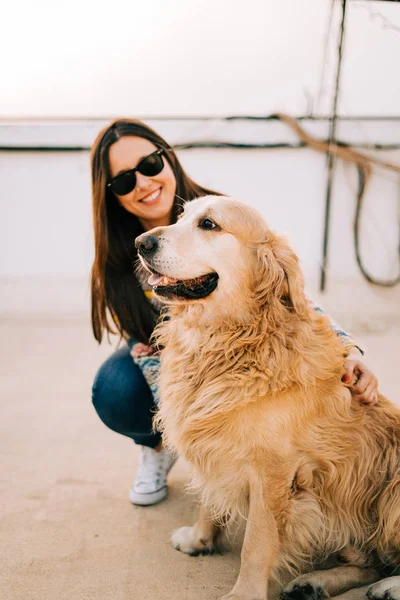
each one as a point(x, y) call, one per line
point(139, 350)
point(361, 382)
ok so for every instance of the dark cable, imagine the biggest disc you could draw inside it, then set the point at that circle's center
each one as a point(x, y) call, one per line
point(389, 283)
point(331, 156)
point(208, 145)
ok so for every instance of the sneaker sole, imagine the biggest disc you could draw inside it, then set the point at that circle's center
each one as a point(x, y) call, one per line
point(148, 499)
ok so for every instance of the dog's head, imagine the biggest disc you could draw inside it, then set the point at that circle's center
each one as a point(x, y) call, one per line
point(221, 252)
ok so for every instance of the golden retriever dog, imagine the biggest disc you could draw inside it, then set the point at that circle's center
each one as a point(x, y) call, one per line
point(251, 396)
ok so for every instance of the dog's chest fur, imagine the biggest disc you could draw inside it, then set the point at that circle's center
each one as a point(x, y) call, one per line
point(208, 410)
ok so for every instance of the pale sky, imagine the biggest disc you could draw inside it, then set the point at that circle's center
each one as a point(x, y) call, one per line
point(192, 57)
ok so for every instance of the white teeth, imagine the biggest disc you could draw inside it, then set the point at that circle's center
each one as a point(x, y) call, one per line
point(152, 197)
point(167, 280)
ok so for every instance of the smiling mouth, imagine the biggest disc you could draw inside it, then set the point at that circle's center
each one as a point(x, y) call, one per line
point(191, 289)
point(151, 198)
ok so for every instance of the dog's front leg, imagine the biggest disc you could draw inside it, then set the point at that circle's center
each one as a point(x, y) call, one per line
point(202, 538)
point(260, 549)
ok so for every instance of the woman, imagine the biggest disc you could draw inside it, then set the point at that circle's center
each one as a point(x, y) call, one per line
point(138, 183)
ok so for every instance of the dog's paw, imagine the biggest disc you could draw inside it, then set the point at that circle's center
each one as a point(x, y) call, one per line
point(304, 590)
point(386, 589)
point(185, 540)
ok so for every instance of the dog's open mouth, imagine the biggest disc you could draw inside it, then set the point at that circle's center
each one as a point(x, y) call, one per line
point(191, 289)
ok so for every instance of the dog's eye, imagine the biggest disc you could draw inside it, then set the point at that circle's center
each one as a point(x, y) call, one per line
point(207, 224)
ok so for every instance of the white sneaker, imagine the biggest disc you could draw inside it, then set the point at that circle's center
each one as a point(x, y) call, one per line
point(150, 485)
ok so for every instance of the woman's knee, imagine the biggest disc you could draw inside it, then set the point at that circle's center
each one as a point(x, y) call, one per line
point(121, 396)
point(120, 393)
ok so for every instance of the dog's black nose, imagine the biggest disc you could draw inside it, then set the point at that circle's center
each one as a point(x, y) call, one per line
point(146, 244)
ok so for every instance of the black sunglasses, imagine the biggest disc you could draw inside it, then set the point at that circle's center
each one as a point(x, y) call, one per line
point(149, 166)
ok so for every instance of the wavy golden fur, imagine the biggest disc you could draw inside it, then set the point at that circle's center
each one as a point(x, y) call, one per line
point(251, 396)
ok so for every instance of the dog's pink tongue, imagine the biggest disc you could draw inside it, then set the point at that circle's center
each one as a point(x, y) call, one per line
point(154, 279)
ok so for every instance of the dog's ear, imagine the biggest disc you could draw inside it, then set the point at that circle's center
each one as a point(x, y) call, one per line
point(281, 273)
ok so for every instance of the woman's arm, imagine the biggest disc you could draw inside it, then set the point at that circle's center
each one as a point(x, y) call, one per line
point(362, 383)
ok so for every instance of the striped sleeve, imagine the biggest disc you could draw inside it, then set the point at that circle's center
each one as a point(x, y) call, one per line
point(345, 337)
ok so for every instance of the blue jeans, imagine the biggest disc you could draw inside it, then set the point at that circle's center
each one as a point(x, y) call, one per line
point(123, 400)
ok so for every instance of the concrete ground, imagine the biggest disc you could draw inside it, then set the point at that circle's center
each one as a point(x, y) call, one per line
point(68, 530)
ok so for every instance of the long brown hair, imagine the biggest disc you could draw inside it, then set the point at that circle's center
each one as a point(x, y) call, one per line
point(118, 301)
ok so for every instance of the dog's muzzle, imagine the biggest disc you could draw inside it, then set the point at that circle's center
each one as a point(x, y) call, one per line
point(168, 287)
